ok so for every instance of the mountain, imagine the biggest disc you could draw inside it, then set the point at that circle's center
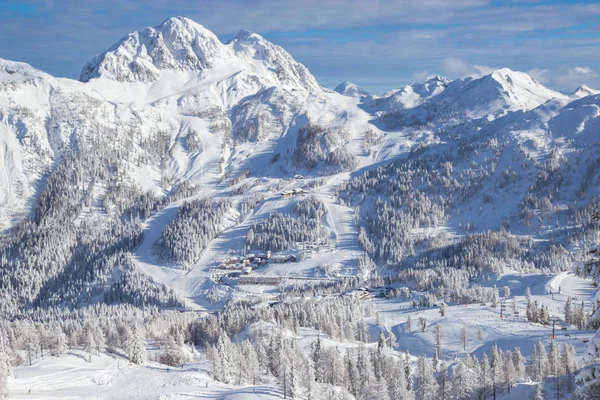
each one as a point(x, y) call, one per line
point(109, 176)
point(181, 45)
point(191, 196)
point(492, 95)
point(164, 114)
point(351, 90)
point(408, 96)
point(583, 91)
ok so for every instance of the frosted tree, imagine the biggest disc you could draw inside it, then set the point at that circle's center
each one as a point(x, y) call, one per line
point(485, 377)
point(60, 341)
point(89, 344)
point(4, 367)
point(495, 297)
point(539, 361)
point(569, 313)
point(464, 380)
point(136, 345)
point(444, 382)
point(518, 362)
point(225, 359)
point(427, 388)
point(251, 362)
point(538, 392)
point(171, 353)
point(318, 360)
point(497, 370)
point(99, 339)
point(408, 324)
point(438, 335)
point(407, 371)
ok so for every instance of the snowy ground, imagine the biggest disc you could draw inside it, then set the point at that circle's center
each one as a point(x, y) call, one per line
point(112, 377)
point(107, 377)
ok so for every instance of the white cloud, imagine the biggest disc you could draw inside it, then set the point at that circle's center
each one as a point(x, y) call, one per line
point(454, 67)
point(583, 70)
point(542, 75)
point(568, 79)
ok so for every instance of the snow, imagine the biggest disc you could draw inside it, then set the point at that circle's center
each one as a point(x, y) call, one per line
point(351, 90)
point(180, 79)
point(112, 377)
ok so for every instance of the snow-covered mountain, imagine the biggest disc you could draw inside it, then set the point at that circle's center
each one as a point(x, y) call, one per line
point(583, 91)
point(350, 89)
point(175, 156)
point(408, 96)
point(490, 96)
point(172, 114)
point(181, 45)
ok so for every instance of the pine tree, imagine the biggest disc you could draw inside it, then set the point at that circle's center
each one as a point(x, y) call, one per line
point(439, 336)
point(381, 342)
point(317, 359)
point(542, 360)
point(485, 378)
point(518, 362)
point(89, 344)
point(506, 291)
point(538, 392)
point(136, 345)
point(407, 372)
point(444, 382)
point(497, 371)
point(463, 381)
point(60, 342)
point(569, 311)
point(4, 367)
point(426, 385)
point(225, 359)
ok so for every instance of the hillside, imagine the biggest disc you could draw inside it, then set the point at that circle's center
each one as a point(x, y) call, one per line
point(170, 114)
point(209, 203)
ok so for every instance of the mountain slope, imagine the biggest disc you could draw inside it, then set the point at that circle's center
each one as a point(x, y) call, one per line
point(94, 172)
point(163, 115)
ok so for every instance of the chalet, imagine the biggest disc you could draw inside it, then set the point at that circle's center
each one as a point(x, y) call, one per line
point(279, 258)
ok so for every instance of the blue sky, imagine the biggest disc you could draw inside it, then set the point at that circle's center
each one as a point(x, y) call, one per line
point(377, 44)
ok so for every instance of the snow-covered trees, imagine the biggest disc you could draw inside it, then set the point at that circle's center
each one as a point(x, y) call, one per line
point(427, 388)
point(136, 345)
point(280, 231)
point(187, 235)
point(325, 147)
point(4, 366)
point(310, 207)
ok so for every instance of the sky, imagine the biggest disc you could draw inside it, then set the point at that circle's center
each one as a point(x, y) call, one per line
point(377, 44)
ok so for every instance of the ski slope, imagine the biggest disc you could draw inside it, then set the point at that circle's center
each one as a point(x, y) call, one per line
point(110, 377)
